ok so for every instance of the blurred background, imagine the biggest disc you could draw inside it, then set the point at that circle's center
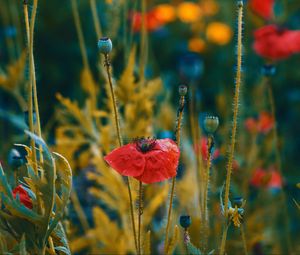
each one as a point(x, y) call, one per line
point(183, 42)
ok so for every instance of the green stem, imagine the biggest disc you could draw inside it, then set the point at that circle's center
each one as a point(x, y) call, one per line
point(140, 215)
point(177, 135)
point(120, 141)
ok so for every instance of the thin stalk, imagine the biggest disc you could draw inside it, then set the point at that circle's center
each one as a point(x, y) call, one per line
point(210, 143)
point(96, 19)
point(234, 125)
point(244, 240)
point(140, 216)
point(33, 76)
point(29, 92)
point(120, 141)
point(235, 106)
point(177, 137)
point(144, 45)
point(279, 163)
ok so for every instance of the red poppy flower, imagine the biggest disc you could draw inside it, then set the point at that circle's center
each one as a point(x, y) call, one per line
point(23, 196)
point(263, 124)
point(270, 179)
point(276, 43)
point(147, 160)
point(203, 149)
point(263, 8)
point(152, 22)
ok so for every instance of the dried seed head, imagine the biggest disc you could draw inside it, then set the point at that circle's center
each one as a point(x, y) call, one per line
point(211, 124)
point(182, 90)
point(185, 221)
point(105, 45)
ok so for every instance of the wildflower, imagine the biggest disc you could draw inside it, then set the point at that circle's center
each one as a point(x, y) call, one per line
point(147, 160)
point(263, 8)
point(211, 124)
point(209, 7)
point(165, 13)
point(23, 196)
point(263, 124)
point(270, 179)
point(189, 12)
point(105, 45)
point(185, 221)
point(218, 33)
point(196, 45)
point(275, 43)
point(152, 22)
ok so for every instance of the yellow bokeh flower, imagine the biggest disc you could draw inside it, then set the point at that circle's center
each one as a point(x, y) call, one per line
point(189, 12)
point(218, 33)
point(165, 13)
point(196, 45)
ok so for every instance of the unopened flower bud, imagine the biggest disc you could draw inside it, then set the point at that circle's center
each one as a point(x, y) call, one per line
point(185, 221)
point(211, 124)
point(105, 45)
point(182, 90)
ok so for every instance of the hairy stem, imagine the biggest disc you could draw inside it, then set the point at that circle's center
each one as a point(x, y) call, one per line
point(235, 106)
point(140, 215)
point(244, 240)
point(177, 137)
point(120, 141)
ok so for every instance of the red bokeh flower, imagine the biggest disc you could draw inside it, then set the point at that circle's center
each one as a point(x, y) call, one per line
point(263, 178)
point(152, 22)
point(147, 160)
point(275, 43)
point(23, 196)
point(263, 124)
point(203, 149)
point(263, 8)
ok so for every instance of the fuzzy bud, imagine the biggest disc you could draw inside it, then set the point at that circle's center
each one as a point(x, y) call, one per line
point(105, 45)
point(211, 124)
point(185, 221)
point(182, 90)
point(15, 160)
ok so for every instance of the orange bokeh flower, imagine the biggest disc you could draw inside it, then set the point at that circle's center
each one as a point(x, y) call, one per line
point(196, 45)
point(218, 33)
point(165, 13)
point(189, 12)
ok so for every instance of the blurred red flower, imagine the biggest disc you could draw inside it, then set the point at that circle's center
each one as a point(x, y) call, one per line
point(23, 196)
point(147, 160)
point(275, 43)
point(264, 178)
point(263, 124)
point(263, 8)
point(203, 149)
point(151, 20)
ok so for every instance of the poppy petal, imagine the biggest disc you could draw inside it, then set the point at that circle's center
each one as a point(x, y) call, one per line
point(161, 163)
point(126, 160)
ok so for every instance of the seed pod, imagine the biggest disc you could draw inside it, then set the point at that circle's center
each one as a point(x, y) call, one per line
point(211, 124)
point(182, 90)
point(105, 45)
point(185, 221)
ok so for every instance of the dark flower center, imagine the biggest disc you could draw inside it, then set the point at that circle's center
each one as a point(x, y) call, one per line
point(145, 144)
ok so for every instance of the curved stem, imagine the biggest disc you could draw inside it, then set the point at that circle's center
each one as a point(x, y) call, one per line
point(177, 137)
point(120, 141)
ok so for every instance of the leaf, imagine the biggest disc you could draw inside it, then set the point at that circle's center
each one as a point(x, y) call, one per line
point(192, 250)
point(173, 241)
point(22, 246)
point(59, 238)
point(147, 244)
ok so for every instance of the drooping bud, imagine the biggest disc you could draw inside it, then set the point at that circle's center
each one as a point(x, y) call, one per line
point(185, 221)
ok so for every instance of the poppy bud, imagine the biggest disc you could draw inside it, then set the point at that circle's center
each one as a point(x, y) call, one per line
point(105, 45)
point(211, 123)
point(268, 70)
point(182, 90)
point(23, 196)
point(15, 160)
point(185, 221)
